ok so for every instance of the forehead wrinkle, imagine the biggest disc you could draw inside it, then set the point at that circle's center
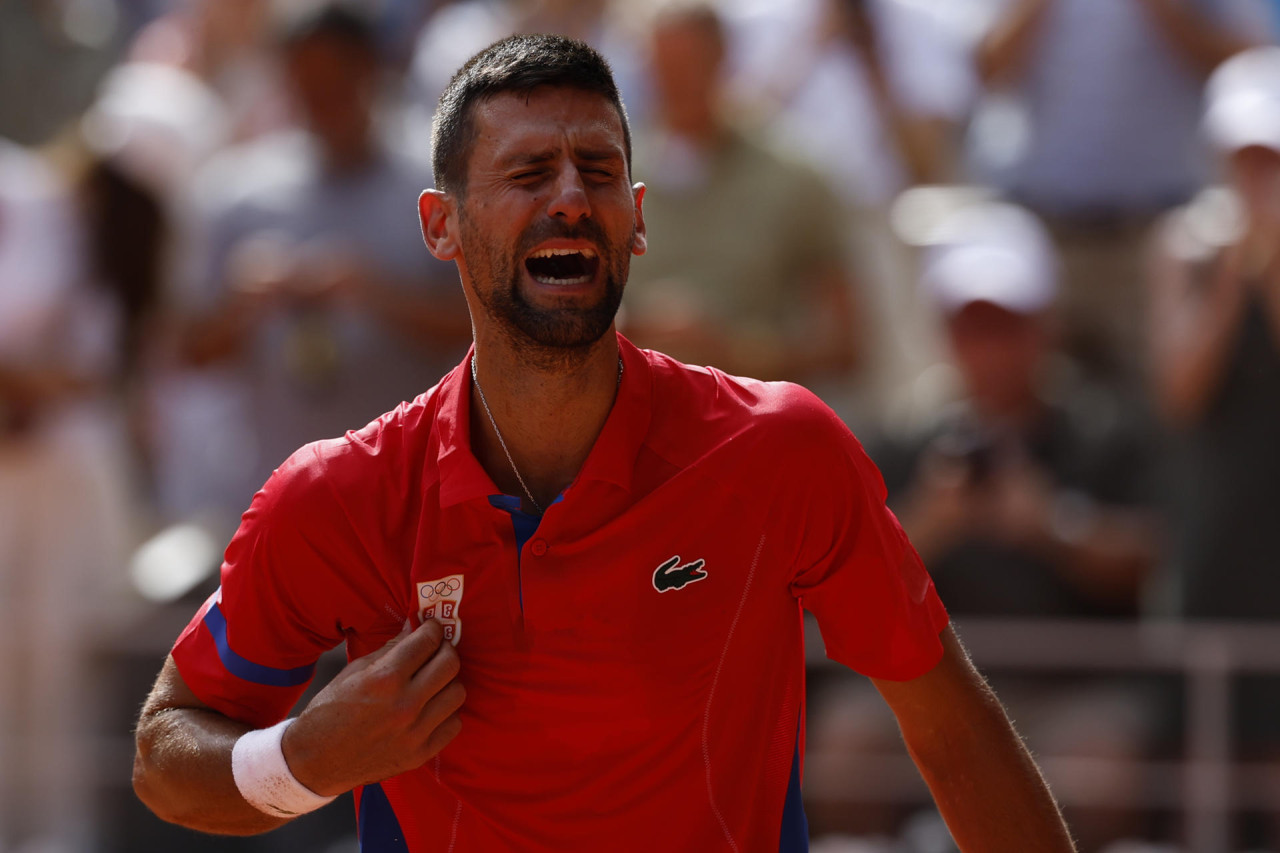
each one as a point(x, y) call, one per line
point(593, 134)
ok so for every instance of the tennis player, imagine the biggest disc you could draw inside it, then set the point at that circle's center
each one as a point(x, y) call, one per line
point(570, 577)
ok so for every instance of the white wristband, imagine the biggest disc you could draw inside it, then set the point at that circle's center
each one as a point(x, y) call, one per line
point(263, 776)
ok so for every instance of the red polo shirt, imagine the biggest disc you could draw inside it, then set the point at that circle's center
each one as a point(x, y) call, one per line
point(634, 665)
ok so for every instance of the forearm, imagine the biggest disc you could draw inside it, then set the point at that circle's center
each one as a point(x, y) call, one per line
point(1192, 336)
point(182, 772)
point(984, 781)
point(1109, 553)
point(987, 787)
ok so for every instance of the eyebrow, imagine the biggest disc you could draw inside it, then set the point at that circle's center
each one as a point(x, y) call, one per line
point(593, 155)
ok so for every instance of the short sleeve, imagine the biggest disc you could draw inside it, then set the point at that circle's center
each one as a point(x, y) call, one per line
point(295, 582)
point(856, 572)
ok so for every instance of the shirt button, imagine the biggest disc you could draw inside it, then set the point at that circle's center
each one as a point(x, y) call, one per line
point(539, 547)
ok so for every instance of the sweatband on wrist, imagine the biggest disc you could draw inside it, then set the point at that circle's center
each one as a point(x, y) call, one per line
point(263, 776)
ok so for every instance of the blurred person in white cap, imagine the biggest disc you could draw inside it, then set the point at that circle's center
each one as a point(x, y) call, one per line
point(1019, 490)
point(1215, 331)
point(1028, 496)
point(1091, 121)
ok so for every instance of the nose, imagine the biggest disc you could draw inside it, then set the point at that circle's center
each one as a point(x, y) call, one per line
point(569, 199)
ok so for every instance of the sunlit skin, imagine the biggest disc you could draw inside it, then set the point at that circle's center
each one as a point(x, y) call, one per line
point(546, 171)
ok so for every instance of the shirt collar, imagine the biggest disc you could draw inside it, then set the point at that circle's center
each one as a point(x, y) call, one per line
point(612, 458)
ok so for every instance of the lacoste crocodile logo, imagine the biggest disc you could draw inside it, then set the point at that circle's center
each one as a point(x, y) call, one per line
point(672, 575)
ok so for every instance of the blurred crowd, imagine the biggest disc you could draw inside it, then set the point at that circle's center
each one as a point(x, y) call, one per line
point(1028, 249)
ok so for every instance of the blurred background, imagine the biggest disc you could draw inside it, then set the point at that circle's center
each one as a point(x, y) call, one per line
point(1028, 249)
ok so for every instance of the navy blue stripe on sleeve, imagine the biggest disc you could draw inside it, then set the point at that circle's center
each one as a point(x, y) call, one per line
point(247, 669)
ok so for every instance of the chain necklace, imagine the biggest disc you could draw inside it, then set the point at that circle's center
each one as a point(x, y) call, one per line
point(510, 460)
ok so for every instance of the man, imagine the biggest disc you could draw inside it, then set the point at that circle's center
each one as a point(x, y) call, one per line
point(1092, 123)
point(615, 546)
point(749, 270)
point(1025, 497)
point(314, 293)
point(1030, 496)
point(62, 468)
point(1215, 339)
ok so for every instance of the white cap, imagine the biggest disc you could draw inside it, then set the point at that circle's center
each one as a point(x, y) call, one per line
point(992, 252)
point(1242, 101)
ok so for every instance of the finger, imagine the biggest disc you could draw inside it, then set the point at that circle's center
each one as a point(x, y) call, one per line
point(441, 706)
point(448, 729)
point(411, 651)
point(435, 674)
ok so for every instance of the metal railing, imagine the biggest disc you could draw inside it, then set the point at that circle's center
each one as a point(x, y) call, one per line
point(1208, 786)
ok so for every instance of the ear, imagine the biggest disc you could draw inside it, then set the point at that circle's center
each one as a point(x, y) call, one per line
point(439, 231)
point(640, 244)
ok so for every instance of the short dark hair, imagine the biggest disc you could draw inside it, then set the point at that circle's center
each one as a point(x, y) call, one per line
point(517, 64)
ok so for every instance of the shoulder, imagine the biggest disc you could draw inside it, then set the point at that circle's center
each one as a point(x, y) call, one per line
point(364, 475)
point(697, 408)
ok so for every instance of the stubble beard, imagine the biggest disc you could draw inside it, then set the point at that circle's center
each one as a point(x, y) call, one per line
point(548, 336)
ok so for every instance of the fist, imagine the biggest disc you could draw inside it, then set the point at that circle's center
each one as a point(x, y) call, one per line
point(384, 714)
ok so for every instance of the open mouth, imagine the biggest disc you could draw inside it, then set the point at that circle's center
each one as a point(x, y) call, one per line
point(563, 267)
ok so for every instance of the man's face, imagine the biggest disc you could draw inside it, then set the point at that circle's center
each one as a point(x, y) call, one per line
point(333, 84)
point(685, 66)
point(998, 352)
point(549, 221)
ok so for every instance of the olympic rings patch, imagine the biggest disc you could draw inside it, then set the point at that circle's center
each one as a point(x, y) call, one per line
point(441, 600)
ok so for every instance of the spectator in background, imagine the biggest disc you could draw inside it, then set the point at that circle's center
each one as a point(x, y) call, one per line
point(226, 45)
point(64, 498)
point(318, 292)
point(1215, 332)
point(877, 98)
point(747, 263)
point(1095, 130)
point(460, 29)
point(1025, 500)
point(875, 102)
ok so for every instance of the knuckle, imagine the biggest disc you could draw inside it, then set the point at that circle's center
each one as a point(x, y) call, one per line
point(454, 694)
point(447, 662)
point(450, 728)
point(433, 631)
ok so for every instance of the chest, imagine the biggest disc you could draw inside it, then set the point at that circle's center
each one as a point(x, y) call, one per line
point(599, 602)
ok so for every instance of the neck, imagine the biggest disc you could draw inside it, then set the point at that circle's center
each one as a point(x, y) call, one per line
point(549, 412)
